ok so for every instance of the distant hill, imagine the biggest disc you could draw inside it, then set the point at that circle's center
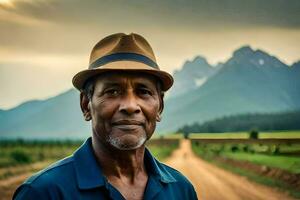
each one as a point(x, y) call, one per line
point(57, 117)
point(247, 122)
point(251, 81)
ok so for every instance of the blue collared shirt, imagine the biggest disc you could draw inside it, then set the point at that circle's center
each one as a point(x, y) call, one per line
point(80, 177)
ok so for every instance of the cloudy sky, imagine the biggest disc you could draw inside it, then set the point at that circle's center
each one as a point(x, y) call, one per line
point(43, 43)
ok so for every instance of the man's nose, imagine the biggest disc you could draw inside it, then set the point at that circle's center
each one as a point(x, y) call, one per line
point(129, 104)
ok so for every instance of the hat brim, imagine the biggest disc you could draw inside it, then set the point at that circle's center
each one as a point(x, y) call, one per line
point(81, 77)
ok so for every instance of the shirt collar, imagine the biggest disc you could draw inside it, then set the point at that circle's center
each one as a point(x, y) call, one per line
point(89, 174)
point(158, 169)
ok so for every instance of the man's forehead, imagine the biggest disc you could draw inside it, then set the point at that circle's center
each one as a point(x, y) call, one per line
point(120, 77)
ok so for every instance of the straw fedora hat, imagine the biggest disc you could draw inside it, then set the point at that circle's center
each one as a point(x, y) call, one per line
point(121, 52)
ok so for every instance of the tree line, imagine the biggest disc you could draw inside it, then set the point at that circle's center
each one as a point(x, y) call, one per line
point(246, 122)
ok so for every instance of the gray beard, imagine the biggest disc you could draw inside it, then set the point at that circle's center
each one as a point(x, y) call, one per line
point(117, 143)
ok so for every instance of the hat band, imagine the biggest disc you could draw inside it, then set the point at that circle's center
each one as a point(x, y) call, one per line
point(121, 57)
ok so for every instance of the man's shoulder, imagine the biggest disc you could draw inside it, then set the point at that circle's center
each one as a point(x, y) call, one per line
point(54, 171)
point(48, 181)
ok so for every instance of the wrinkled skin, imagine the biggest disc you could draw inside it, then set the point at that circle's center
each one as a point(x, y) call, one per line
point(124, 109)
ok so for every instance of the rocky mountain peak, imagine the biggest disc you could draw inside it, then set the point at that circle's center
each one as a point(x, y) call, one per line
point(243, 51)
point(197, 62)
point(256, 58)
point(200, 60)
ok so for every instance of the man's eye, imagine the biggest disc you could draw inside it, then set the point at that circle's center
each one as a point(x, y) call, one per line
point(144, 92)
point(112, 92)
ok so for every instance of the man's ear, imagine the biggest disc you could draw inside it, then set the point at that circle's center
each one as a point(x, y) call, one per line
point(161, 108)
point(85, 106)
point(158, 117)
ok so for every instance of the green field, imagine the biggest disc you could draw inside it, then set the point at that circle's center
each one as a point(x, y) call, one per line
point(162, 148)
point(280, 134)
point(288, 163)
point(13, 153)
point(236, 135)
point(162, 152)
point(17, 157)
point(282, 156)
point(233, 151)
point(245, 135)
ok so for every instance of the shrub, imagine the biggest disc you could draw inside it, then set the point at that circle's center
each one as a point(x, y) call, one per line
point(20, 156)
point(253, 134)
point(234, 148)
point(245, 148)
point(186, 135)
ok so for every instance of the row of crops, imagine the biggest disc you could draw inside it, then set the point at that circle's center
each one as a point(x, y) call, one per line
point(20, 152)
point(265, 146)
point(281, 153)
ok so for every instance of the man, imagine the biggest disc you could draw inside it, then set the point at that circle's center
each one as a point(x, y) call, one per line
point(122, 95)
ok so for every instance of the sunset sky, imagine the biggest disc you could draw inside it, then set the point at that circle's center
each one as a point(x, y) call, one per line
point(43, 43)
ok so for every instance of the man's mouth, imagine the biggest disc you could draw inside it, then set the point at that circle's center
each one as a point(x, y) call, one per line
point(127, 124)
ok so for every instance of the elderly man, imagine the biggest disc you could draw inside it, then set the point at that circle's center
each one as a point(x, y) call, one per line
point(122, 94)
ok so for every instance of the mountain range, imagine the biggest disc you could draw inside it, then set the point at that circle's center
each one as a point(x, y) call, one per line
point(251, 81)
point(58, 117)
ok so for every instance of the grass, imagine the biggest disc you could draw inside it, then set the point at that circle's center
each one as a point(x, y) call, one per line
point(280, 134)
point(21, 169)
point(289, 148)
point(288, 163)
point(168, 136)
point(245, 135)
point(14, 153)
point(237, 135)
point(283, 156)
point(162, 152)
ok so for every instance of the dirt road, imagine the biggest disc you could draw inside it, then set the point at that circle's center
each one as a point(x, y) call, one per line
point(213, 183)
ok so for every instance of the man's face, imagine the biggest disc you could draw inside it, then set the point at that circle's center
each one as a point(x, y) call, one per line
point(124, 109)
